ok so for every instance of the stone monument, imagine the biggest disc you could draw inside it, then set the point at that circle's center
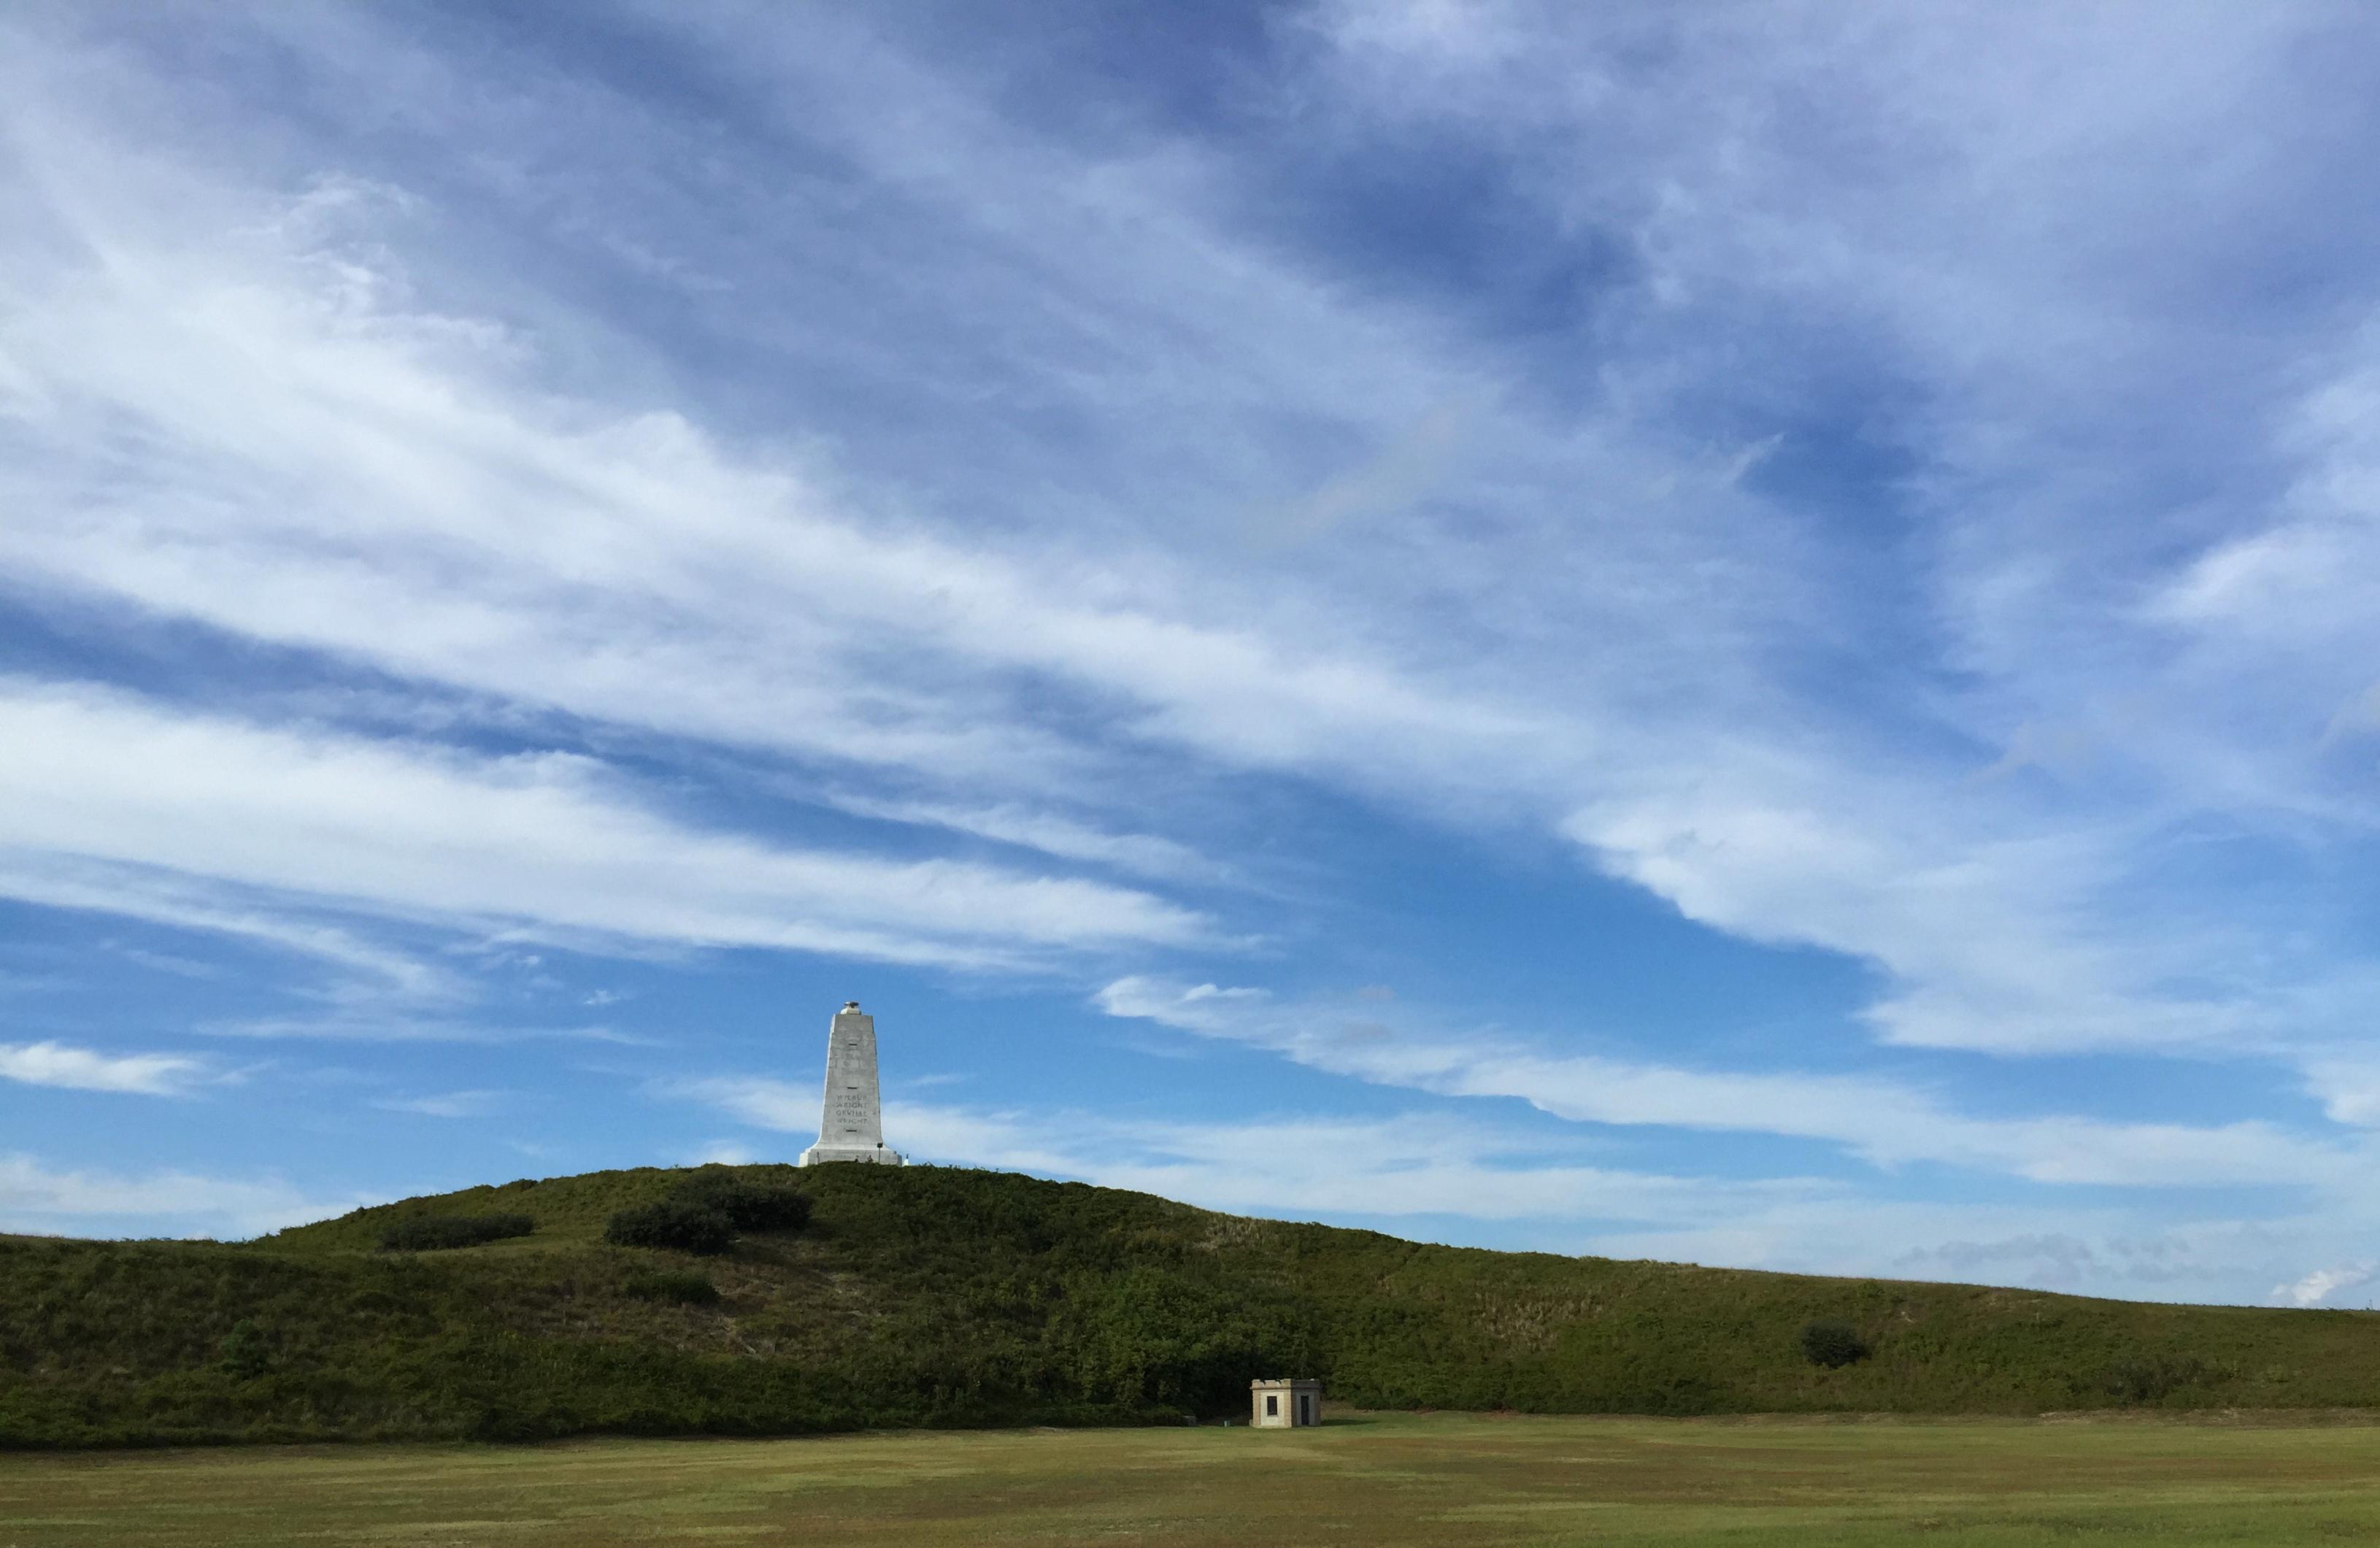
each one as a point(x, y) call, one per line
point(852, 1126)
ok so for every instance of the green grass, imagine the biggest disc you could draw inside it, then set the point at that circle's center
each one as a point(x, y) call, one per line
point(940, 1296)
point(1440, 1480)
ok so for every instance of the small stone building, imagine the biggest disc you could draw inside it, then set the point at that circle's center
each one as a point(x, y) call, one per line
point(1284, 1404)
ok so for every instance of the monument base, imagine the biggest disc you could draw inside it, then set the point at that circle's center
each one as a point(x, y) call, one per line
point(817, 1154)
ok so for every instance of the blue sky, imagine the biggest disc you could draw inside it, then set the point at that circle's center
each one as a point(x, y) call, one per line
point(1742, 634)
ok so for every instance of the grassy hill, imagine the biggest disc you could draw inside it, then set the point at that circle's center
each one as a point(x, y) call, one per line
point(931, 1295)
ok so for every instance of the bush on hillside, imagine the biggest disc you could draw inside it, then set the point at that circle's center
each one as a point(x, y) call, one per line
point(674, 1225)
point(1832, 1344)
point(704, 1211)
point(2149, 1378)
point(432, 1233)
point(675, 1286)
point(244, 1351)
point(748, 1206)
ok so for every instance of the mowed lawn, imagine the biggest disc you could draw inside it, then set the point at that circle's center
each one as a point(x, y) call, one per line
point(1362, 1478)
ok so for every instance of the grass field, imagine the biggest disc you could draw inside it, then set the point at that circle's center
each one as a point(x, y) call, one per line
point(1438, 1479)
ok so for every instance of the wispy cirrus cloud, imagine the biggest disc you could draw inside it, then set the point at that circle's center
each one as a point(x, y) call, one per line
point(1884, 1122)
point(421, 831)
point(1050, 831)
point(40, 875)
point(1269, 1163)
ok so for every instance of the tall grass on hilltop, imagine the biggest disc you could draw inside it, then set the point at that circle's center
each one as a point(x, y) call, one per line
point(433, 1233)
point(930, 1295)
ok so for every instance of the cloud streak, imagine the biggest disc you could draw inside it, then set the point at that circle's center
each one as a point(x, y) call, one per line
point(1398, 1167)
point(83, 1069)
point(1884, 1123)
point(39, 1200)
point(420, 831)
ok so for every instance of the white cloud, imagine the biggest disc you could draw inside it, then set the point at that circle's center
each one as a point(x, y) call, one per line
point(2093, 1249)
point(419, 831)
point(2322, 1284)
point(2083, 478)
point(1311, 1165)
point(38, 1201)
point(2349, 1090)
point(614, 564)
point(1273, 1164)
point(1028, 827)
point(1883, 1122)
point(84, 1070)
point(1623, 675)
point(764, 1104)
point(1996, 942)
point(33, 874)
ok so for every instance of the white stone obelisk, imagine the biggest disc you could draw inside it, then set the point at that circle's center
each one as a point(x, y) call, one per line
point(852, 1126)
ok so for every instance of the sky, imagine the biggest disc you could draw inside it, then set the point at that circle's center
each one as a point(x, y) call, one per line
point(1745, 634)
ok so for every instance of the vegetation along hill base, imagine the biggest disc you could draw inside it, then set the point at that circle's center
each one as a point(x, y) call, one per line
point(863, 1296)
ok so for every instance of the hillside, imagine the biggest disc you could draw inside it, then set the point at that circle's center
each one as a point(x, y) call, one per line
point(930, 1295)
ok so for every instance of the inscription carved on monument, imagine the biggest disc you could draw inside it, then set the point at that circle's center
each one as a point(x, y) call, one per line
point(851, 1121)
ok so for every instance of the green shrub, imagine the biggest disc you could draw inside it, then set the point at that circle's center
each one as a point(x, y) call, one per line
point(432, 1233)
point(2148, 1378)
point(748, 1206)
point(703, 1214)
point(677, 1286)
point(243, 1351)
point(1832, 1344)
point(674, 1225)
